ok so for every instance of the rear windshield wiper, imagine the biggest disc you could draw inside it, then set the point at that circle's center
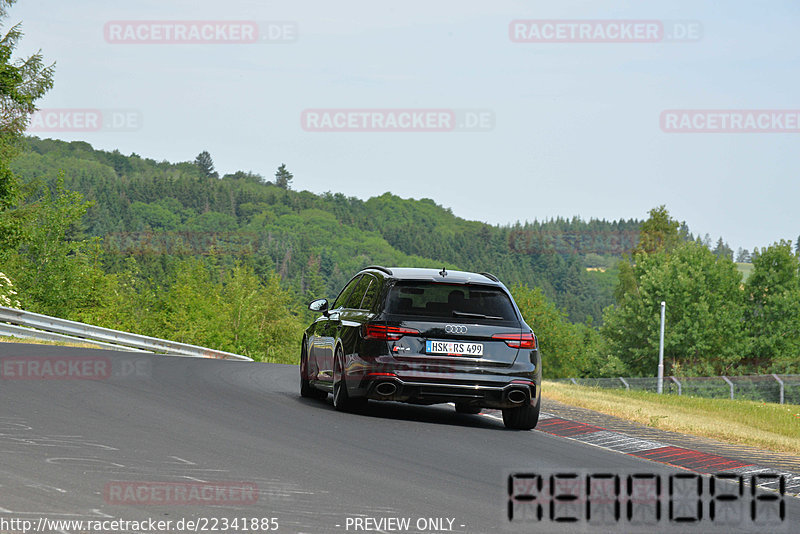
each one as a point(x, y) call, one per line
point(476, 315)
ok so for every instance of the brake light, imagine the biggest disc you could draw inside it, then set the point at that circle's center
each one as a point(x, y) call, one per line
point(518, 341)
point(387, 333)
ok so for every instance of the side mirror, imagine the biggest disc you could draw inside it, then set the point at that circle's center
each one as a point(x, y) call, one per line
point(319, 305)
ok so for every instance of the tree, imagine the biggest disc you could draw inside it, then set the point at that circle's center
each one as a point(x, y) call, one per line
point(22, 83)
point(703, 332)
point(246, 176)
point(233, 311)
point(560, 345)
point(206, 164)
point(772, 316)
point(58, 272)
point(283, 178)
point(312, 283)
point(684, 232)
point(659, 232)
point(742, 255)
point(797, 246)
point(722, 250)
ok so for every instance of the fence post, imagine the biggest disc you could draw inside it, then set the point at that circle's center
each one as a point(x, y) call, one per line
point(725, 378)
point(627, 387)
point(679, 384)
point(776, 377)
point(661, 352)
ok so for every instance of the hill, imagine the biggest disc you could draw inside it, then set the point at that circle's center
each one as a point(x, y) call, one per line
point(156, 211)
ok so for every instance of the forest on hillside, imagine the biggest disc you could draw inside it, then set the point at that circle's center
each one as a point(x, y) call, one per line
point(149, 210)
point(174, 250)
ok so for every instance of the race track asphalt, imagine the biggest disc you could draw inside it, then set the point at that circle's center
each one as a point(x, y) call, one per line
point(66, 440)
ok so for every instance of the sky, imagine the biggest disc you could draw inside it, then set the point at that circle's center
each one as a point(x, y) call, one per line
point(503, 111)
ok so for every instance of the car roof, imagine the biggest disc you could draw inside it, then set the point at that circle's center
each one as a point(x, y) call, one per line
point(435, 275)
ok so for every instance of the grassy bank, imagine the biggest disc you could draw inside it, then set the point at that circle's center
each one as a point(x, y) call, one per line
point(9, 339)
point(768, 426)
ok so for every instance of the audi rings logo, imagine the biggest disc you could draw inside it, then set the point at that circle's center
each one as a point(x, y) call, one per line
point(455, 329)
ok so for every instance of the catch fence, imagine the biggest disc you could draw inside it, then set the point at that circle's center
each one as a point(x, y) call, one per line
point(782, 389)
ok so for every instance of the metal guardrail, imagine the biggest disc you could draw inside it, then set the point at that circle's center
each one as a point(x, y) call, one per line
point(54, 329)
point(782, 389)
point(10, 330)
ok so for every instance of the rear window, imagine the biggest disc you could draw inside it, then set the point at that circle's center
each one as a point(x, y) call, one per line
point(450, 301)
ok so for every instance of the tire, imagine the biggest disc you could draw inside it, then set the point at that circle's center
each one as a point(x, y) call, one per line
point(342, 401)
point(467, 409)
point(522, 418)
point(307, 391)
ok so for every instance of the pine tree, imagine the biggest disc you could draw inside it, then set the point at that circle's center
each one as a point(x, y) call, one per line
point(22, 83)
point(722, 250)
point(283, 177)
point(206, 164)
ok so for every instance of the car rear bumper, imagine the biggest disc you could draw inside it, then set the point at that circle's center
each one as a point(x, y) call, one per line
point(432, 382)
point(508, 396)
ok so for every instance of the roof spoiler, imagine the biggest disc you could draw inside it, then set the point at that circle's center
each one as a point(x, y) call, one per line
point(490, 276)
point(379, 268)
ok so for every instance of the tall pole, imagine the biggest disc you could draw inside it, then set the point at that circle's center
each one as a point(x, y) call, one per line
point(661, 351)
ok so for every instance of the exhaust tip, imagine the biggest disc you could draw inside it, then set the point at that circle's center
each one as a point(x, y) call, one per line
point(386, 389)
point(517, 396)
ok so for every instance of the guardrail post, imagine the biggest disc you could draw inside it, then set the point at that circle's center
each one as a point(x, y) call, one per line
point(574, 381)
point(725, 378)
point(776, 377)
point(678, 383)
point(627, 387)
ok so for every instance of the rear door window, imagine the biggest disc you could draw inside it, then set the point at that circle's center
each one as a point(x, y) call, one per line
point(468, 303)
point(372, 292)
point(343, 297)
point(357, 295)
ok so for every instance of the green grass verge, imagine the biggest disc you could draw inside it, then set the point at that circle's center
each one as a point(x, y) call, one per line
point(774, 427)
point(11, 339)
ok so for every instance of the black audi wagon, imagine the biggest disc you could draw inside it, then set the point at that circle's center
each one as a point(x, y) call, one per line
point(424, 336)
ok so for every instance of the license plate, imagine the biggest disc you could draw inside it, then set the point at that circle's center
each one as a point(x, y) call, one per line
point(454, 347)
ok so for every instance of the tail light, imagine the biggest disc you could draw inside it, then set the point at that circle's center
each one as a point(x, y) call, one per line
point(518, 341)
point(387, 333)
